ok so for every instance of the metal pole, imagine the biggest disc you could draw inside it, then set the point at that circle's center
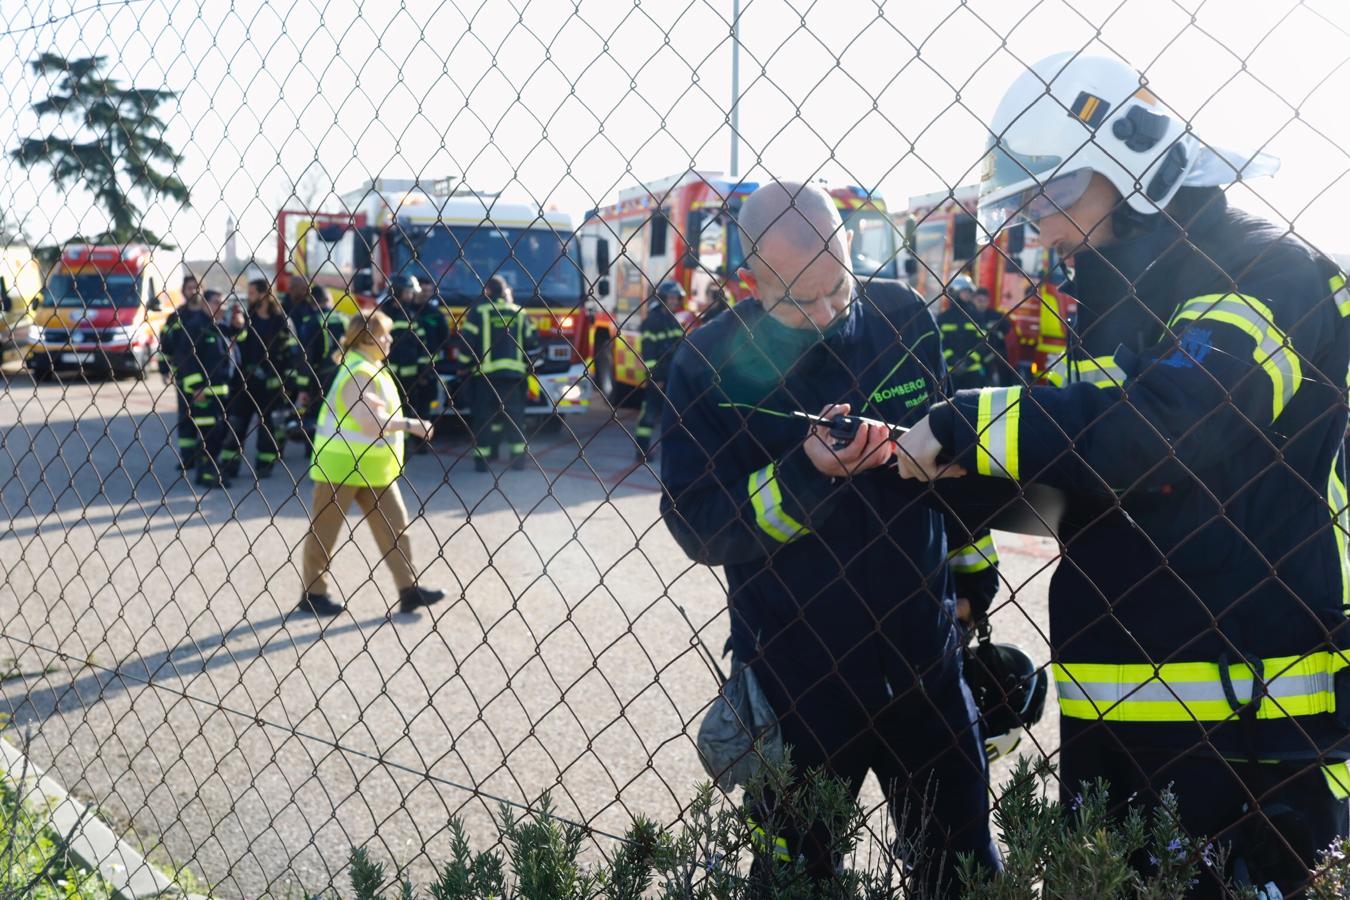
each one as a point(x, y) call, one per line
point(735, 87)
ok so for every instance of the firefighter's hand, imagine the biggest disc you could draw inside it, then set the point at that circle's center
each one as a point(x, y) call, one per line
point(198, 396)
point(871, 446)
point(963, 611)
point(302, 399)
point(916, 455)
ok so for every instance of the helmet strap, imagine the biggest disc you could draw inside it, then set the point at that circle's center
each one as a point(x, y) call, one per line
point(1128, 222)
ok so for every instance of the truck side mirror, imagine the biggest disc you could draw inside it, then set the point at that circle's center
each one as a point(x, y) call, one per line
point(331, 232)
point(5, 302)
point(602, 287)
point(154, 305)
point(363, 282)
point(602, 263)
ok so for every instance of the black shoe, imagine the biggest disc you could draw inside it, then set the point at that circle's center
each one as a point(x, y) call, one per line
point(187, 464)
point(518, 462)
point(414, 598)
point(210, 481)
point(480, 465)
point(319, 605)
point(263, 470)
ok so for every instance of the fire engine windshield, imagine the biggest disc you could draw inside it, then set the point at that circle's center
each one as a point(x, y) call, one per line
point(540, 265)
point(875, 244)
point(92, 291)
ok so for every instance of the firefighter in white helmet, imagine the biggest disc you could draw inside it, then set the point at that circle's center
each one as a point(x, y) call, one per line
point(1198, 618)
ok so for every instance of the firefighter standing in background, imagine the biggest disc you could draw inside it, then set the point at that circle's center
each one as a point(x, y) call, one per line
point(1198, 621)
point(314, 323)
point(170, 345)
point(496, 339)
point(421, 335)
point(270, 359)
point(993, 348)
point(205, 365)
point(298, 294)
point(963, 336)
point(661, 333)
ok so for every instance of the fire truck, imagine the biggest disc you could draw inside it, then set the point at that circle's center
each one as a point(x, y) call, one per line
point(453, 240)
point(102, 309)
point(682, 228)
point(1022, 277)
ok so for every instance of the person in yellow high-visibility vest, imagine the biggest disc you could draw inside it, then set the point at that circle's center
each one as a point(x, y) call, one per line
point(358, 456)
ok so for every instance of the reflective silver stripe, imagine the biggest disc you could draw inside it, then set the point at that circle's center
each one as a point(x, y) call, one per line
point(996, 432)
point(1273, 352)
point(1101, 371)
point(1106, 694)
point(767, 502)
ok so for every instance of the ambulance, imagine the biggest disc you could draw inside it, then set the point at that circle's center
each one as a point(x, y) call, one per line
point(102, 309)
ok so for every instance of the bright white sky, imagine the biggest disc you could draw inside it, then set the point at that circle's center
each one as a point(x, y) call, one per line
point(568, 103)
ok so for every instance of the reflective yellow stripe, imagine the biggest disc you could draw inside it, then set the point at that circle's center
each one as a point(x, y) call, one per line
point(1338, 779)
point(996, 452)
point(1100, 371)
point(976, 557)
point(1194, 691)
point(1337, 502)
point(1272, 353)
point(767, 500)
point(1341, 294)
point(766, 844)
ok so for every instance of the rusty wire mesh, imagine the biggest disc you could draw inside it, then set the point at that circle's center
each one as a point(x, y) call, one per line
point(153, 651)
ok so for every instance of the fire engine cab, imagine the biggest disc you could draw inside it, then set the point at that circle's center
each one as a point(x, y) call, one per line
point(453, 240)
point(682, 228)
point(1022, 277)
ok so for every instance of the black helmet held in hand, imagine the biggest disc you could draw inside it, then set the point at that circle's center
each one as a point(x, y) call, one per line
point(1009, 690)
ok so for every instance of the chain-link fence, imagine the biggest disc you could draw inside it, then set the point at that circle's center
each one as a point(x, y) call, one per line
point(284, 578)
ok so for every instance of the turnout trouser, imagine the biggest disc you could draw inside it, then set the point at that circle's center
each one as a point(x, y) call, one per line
point(260, 402)
point(649, 419)
point(213, 429)
point(189, 440)
point(1274, 816)
point(383, 511)
point(497, 409)
point(923, 745)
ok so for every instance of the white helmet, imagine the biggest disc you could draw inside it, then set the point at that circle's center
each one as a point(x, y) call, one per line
point(1072, 115)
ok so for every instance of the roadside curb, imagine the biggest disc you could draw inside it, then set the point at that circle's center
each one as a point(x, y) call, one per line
point(89, 839)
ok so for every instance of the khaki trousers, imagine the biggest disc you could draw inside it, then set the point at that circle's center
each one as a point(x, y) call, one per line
point(384, 511)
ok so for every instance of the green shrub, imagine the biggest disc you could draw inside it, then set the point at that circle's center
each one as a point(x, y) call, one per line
point(1051, 850)
point(34, 861)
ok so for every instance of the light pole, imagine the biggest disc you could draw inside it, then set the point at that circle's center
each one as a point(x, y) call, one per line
point(735, 87)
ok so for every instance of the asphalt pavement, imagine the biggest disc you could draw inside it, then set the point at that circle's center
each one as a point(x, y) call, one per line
point(150, 665)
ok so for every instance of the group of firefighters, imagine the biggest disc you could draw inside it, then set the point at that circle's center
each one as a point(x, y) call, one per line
point(263, 367)
point(1188, 450)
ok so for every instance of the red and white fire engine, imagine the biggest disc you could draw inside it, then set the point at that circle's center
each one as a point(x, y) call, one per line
point(1022, 277)
point(453, 240)
point(682, 228)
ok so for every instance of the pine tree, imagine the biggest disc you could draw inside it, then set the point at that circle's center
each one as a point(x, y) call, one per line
point(115, 148)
